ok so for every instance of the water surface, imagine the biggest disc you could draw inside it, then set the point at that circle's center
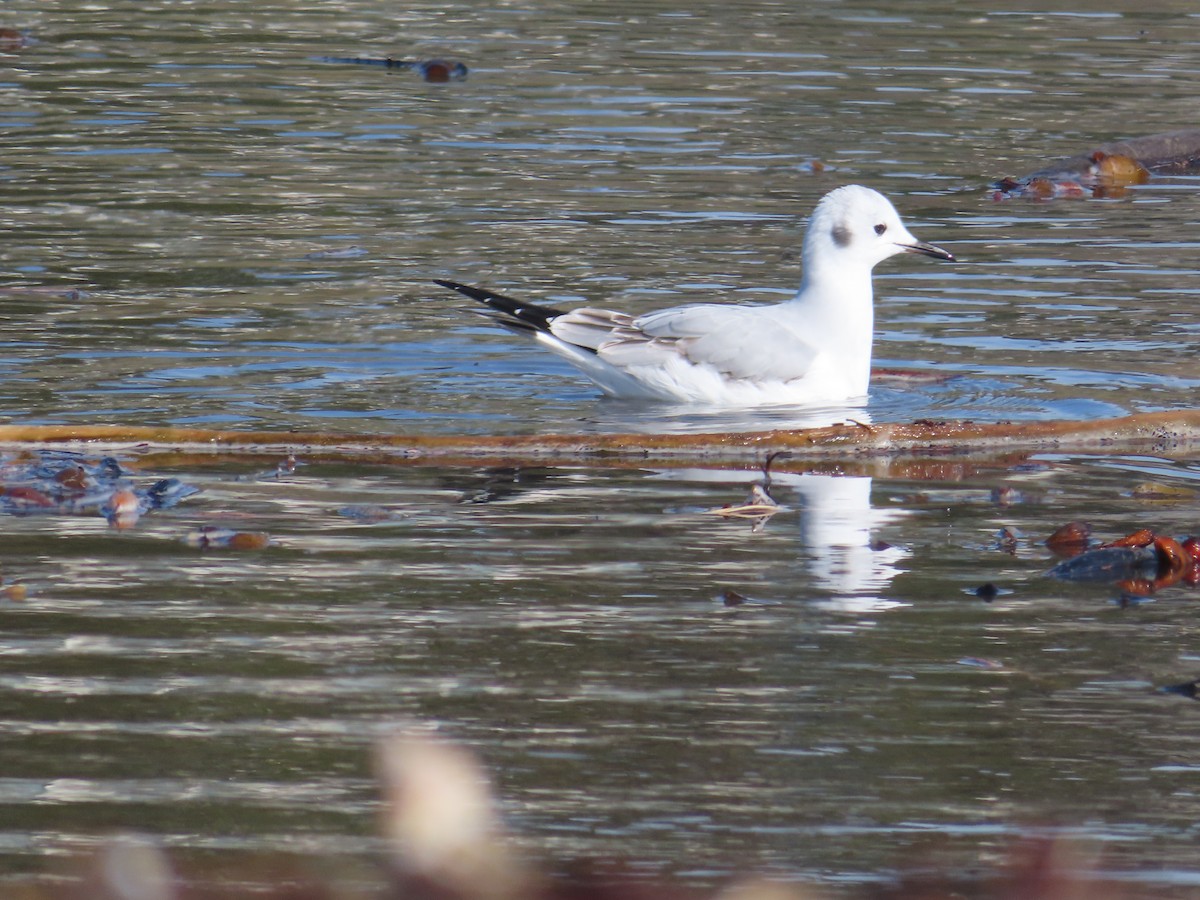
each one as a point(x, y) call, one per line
point(206, 226)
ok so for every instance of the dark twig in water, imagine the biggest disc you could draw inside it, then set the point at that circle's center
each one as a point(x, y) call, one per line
point(435, 70)
point(771, 457)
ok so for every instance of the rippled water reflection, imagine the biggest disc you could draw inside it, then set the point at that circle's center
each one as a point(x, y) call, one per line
point(206, 226)
point(219, 228)
point(569, 622)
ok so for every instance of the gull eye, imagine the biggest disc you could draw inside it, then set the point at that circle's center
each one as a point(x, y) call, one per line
point(880, 228)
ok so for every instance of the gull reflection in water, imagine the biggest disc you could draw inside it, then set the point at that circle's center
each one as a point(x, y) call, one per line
point(850, 567)
point(838, 529)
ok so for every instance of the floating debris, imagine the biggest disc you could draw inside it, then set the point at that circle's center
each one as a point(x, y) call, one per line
point(1071, 539)
point(987, 592)
point(435, 71)
point(1007, 496)
point(1106, 177)
point(1149, 490)
point(759, 505)
point(370, 513)
point(1008, 539)
point(979, 662)
point(1143, 537)
point(167, 492)
point(732, 599)
point(22, 498)
point(13, 39)
point(56, 482)
point(212, 537)
point(1118, 564)
point(907, 377)
point(1110, 169)
point(285, 467)
point(729, 597)
point(1126, 600)
point(1186, 689)
point(1139, 563)
point(497, 483)
point(123, 508)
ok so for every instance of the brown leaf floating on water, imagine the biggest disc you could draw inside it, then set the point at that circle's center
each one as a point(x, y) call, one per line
point(28, 497)
point(211, 537)
point(1171, 556)
point(1143, 537)
point(1191, 574)
point(74, 478)
point(249, 540)
point(1117, 170)
point(1071, 539)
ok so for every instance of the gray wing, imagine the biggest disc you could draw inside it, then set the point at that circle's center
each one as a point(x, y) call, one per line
point(752, 342)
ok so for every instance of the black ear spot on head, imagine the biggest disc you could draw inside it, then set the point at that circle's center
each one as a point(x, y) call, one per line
point(842, 235)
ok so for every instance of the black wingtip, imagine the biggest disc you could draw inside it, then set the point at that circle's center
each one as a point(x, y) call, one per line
point(526, 315)
point(473, 292)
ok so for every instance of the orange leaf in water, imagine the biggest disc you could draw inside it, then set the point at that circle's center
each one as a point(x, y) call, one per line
point(73, 477)
point(249, 540)
point(1191, 575)
point(28, 496)
point(1143, 537)
point(1173, 560)
point(1118, 170)
point(1070, 540)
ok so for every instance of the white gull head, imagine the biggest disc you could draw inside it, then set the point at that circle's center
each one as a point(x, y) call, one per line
point(852, 230)
point(856, 227)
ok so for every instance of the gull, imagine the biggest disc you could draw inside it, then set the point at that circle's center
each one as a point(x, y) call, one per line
point(814, 348)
